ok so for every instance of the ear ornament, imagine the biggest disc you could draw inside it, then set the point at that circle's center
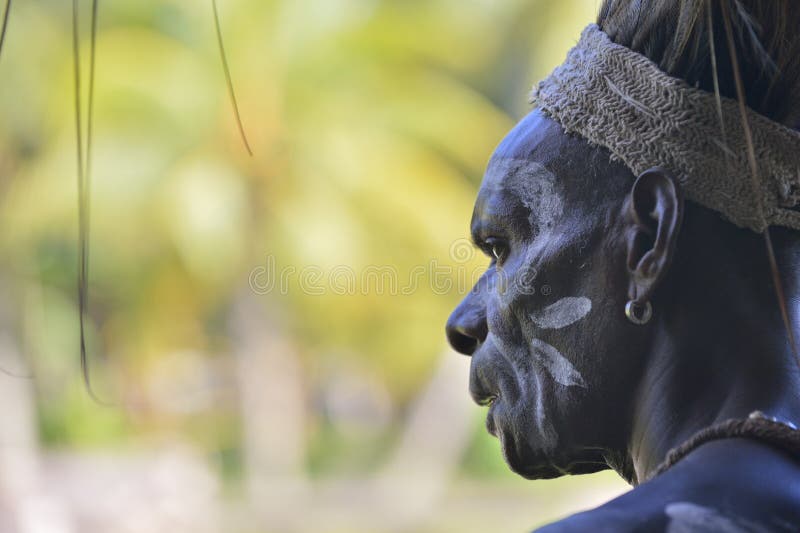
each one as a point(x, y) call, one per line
point(638, 313)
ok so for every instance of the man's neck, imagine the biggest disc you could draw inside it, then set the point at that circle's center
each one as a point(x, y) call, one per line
point(704, 372)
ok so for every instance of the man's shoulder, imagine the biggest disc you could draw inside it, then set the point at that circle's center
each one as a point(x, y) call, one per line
point(725, 486)
point(672, 516)
point(609, 520)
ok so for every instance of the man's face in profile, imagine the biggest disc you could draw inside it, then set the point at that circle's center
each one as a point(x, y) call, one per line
point(544, 325)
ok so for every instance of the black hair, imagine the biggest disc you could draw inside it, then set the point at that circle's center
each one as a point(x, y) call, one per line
point(743, 49)
point(682, 37)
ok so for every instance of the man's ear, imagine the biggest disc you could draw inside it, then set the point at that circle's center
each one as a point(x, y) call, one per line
point(656, 213)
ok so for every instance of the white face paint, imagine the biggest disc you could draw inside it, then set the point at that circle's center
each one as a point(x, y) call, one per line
point(687, 517)
point(548, 438)
point(535, 186)
point(561, 314)
point(557, 365)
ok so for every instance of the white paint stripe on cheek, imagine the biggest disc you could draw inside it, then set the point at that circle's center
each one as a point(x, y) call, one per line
point(547, 433)
point(562, 313)
point(557, 365)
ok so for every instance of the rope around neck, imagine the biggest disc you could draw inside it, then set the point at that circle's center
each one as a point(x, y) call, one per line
point(757, 426)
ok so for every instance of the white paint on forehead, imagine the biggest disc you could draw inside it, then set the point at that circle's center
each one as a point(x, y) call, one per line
point(687, 517)
point(535, 186)
point(562, 313)
point(556, 364)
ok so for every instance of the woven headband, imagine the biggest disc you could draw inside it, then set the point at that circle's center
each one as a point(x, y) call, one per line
point(619, 99)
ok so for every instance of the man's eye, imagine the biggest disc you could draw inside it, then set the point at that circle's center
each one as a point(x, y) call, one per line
point(499, 250)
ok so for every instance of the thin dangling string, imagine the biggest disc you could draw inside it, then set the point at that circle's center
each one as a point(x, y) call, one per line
point(5, 24)
point(84, 157)
point(84, 174)
point(751, 159)
point(715, 76)
point(3, 30)
point(228, 79)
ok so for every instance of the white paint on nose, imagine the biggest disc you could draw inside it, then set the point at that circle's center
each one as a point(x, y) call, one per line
point(556, 364)
point(562, 313)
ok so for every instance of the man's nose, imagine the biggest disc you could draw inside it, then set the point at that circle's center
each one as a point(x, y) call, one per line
point(466, 328)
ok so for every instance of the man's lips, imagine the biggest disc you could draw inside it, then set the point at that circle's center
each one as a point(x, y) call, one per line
point(486, 375)
point(482, 397)
point(491, 424)
point(481, 393)
point(492, 382)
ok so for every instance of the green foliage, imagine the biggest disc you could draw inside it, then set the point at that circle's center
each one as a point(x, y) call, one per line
point(370, 122)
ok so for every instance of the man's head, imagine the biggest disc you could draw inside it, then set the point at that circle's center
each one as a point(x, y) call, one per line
point(573, 237)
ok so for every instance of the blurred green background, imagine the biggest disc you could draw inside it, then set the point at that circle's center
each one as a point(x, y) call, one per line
point(267, 330)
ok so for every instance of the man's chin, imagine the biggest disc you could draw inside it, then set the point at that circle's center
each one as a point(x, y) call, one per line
point(536, 472)
point(538, 464)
